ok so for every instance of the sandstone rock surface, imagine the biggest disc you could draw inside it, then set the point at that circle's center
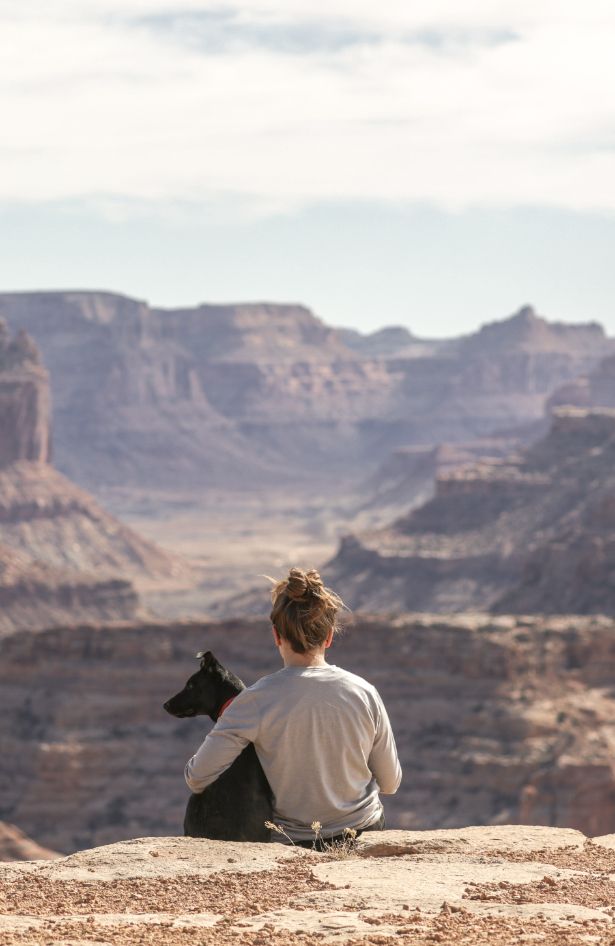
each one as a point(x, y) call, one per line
point(475, 886)
point(497, 720)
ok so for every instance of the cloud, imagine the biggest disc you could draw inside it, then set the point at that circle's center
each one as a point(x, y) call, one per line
point(225, 30)
point(148, 102)
point(228, 30)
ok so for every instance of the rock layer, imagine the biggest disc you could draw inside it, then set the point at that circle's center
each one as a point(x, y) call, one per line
point(47, 518)
point(34, 596)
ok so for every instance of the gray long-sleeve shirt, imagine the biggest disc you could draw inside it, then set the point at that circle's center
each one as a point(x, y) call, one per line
point(324, 741)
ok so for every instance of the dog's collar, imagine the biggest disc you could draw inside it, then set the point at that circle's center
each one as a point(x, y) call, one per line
point(224, 706)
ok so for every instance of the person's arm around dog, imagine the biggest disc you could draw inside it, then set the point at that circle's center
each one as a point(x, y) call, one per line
point(233, 731)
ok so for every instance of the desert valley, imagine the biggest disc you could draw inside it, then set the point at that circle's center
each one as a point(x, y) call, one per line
point(156, 464)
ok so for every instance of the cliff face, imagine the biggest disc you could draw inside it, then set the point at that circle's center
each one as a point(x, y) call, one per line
point(595, 389)
point(529, 533)
point(242, 394)
point(24, 401)
point(407, 478)
point(497, 720)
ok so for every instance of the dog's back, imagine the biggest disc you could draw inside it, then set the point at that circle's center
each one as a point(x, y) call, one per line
point(236, 806)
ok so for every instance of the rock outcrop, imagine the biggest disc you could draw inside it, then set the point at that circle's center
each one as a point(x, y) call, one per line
point(501, 886)
point(62, 557)
point(531, 533)
point(407, 478)
point(24, 400)
point(245, 395)
point(497, 720)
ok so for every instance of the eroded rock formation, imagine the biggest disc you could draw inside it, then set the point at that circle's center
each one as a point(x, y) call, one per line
point(62, 557)
point(24, 400)
point(497, 720)
point(250, 394)
point(530, 533)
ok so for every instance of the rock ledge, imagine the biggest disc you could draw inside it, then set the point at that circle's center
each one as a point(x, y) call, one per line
point(496, 885)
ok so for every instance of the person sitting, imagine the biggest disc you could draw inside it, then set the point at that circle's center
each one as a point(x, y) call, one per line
point(321, 733)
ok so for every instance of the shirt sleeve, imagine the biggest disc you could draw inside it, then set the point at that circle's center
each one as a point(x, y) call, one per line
point(237, 727)
point(383, 761)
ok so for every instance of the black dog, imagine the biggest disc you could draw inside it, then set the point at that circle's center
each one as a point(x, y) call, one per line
point(235, 806)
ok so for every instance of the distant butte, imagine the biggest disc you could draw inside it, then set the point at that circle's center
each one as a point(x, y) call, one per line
point(62, 557)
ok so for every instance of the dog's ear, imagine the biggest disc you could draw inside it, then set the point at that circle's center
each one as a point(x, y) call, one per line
point(206, 657)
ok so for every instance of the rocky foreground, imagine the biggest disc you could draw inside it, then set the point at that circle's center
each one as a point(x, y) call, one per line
point(496, 885)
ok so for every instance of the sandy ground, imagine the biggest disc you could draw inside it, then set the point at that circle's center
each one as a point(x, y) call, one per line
point(232, 539)
point(491, 886)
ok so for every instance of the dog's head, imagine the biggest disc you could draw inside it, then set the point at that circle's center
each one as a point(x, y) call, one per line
point(205, 691)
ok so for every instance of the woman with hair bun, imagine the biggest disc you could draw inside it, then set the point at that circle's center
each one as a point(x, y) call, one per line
point(322, 734)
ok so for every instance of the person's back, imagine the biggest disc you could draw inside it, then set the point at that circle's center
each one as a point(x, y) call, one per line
point(321, 733)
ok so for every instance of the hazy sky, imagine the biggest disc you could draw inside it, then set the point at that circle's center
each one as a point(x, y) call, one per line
point(436, 167)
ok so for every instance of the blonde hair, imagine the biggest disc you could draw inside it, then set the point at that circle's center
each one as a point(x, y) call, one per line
point(304, 611)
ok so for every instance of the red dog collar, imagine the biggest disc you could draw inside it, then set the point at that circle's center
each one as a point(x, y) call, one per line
point(223, 707)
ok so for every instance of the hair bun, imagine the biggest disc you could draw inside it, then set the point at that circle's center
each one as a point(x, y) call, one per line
point(304, 611)
point(296, 584)
point(314, 581)
point(300, 585)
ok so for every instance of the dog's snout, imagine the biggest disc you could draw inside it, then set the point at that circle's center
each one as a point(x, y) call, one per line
point(166, 705)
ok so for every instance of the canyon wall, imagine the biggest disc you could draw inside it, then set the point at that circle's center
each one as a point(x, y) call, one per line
point(497, 720)
point(533, 532)
point(255, 394)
